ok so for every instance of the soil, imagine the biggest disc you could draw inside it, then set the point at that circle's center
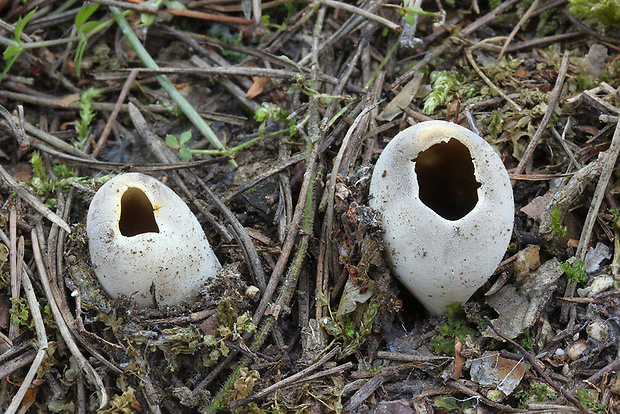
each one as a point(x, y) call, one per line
point(267, 119)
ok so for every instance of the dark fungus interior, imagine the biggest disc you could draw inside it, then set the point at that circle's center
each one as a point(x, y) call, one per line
point(446, 179)
point(136, 214)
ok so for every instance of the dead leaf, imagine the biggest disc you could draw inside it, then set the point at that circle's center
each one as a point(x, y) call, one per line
point(519, 308)
point(459, 360)
point(351, 297)
point(402, 100)
point(527, 261)
point(67, 100)
point(257, 87)
point(492, 369)
point(535, 207)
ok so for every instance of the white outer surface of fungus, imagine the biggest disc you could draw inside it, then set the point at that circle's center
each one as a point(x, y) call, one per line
point(441, 261)
point(177, 260)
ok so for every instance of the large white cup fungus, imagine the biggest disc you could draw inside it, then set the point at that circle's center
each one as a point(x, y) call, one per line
point(448, 211)
point(143, 238)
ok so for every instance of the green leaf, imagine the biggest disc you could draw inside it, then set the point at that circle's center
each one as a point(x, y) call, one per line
point(12, 52)
point(146, 19)
point(185, 153)
point(175, 5)
point(84, 14)
point(184, 137)
point(172, 141)
point(90, 26)
point(446, 402)
point(21, 24)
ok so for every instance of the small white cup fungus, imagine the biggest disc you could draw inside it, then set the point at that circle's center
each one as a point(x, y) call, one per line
point(448, 211)
point(141, 235)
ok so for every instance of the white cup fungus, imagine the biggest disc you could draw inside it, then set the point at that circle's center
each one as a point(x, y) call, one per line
point(447, 209)
point(144, 240)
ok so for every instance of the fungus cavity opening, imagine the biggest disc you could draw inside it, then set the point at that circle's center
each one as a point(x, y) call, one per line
point(136, 214)
point(446, 179)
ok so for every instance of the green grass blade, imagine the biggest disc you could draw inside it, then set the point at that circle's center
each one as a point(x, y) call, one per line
point(189, 111)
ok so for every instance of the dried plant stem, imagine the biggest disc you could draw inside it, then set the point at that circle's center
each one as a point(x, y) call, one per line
point(33, 201)
point(444, 47)
point(512, 34)
point(166, 84)
point(536, 365)
point(39, 326)
point(83, 363)
point(289, 380)
point(470, 58)
point(584, 240)
point(117, 108)
point(325, 246)
point(285, 295)
point(51, 140)
point(289, 242)
point(15, 276)
point(35, 312)
point(553, 100)
point(364, 13)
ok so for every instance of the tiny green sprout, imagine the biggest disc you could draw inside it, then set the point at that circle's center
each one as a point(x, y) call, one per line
point(38, 169)
point(559, 231)
point(454, 326)
point(446, 402)
point(496, 125)
point(615, 212)
point(575, 270)
point(586, 399)
point(12, 52)
point(537, 391)
point(444, 86)
point(179, 144)
point(272, 112)
point(19, 312)
point(411, 12)
point(87, 114)
point(84, 29)
point(375, 370)
point(601, 15)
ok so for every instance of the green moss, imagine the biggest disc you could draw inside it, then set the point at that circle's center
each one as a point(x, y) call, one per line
point(575, 270)
point(601, 15)
point(454, 327)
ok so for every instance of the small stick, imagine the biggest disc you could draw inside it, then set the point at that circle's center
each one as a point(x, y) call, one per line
point(257, 11)
point(535, 363)
point(553, 100)
point(103, 165)
point(287, 381)
point(363, 393)
point(597, 199)
point(488, 81)
point(117, 108)
point(62, 324)
point(15, 285)
point(512, 34)
point(364, 13)
point(221, 18)
point(33, 201)
point(35, 311)
point(135, 6)
point(444, 47)
point(399, 356)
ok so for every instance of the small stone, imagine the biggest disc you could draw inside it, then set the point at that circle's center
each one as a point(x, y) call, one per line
point(598, 331)
point(577, 349)
point(600, 284)
point(251, 292)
